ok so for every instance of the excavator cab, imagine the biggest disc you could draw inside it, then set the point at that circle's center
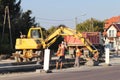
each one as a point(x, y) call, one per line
point(34, 37)
point(35, 34)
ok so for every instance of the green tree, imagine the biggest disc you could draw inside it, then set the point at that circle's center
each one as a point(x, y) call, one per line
point(51, 29)
point(14, 12)
point(24, 22)
point(90, 25)
point(20, 22)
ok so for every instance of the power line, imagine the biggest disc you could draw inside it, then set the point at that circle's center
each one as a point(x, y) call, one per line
point(46, 19)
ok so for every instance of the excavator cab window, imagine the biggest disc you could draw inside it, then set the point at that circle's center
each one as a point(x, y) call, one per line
point(35, 34)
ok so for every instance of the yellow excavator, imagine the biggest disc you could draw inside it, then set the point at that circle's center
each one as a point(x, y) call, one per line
point(33, 45)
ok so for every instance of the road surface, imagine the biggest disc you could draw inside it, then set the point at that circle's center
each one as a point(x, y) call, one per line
point(104, 73)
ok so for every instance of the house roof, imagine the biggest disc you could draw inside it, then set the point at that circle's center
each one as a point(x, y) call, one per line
point(112, 20)
point(116, 25)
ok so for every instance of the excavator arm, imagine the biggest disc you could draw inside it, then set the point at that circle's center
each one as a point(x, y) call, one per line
point(62, 30)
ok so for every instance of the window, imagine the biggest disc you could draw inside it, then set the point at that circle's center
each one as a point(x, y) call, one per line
point(112, 47)
point(35, 34)
point(111, 33)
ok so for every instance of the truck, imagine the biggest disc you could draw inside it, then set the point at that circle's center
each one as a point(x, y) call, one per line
point(94, 38)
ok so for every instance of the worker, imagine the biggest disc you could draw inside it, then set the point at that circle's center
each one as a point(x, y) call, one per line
point(95, 56)
point(71, 52)
point(77, 58)
point(60, 53)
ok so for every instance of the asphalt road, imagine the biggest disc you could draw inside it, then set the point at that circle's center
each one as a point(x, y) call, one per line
point(98, 73)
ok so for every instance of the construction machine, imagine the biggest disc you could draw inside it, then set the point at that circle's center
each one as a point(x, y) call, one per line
point(33, 45)
point(30, 46)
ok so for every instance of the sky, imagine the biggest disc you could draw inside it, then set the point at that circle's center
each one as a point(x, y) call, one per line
point(55, 12)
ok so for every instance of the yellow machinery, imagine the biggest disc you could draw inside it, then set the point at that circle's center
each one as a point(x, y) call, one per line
point(34, 40)
point(33, 45)
point(30, 46)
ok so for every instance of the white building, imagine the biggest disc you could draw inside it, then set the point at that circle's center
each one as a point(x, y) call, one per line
point(112, 36)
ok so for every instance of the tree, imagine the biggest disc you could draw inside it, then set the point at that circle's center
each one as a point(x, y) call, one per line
point(51, 29)
point(20, 21)
point(90, 25)
point(24, 22)
point(14, 10)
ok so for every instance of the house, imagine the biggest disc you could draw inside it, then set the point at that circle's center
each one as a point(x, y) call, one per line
point(112, 36)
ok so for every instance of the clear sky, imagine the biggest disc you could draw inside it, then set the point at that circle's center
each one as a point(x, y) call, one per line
point(54, 12)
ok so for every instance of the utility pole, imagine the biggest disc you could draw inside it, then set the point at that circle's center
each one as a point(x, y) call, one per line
point(76, 24)
point(7, 14)
point(76, 21)
point(92, 27)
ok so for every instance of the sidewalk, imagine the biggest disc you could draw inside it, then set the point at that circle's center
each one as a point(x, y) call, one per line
point(114, 61)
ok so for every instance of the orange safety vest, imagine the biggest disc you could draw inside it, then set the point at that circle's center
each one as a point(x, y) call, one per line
point(78, 53)
point(60, 52)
